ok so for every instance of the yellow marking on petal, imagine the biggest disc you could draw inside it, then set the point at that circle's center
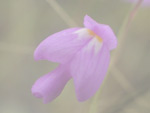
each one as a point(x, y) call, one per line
point(99, 38)
point(93, 34)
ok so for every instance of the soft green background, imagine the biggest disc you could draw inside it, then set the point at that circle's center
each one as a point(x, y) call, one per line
point(25, 23)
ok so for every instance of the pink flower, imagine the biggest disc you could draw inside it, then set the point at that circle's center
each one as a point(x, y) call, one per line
point(83, 54)
point(145, 2)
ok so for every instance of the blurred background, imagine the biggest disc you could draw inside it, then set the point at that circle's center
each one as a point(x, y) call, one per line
point(25, 23)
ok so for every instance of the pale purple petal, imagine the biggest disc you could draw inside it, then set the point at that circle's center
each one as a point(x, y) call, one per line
point(49, 86)
point(145, 2)
point(83, 54)
point(88, 70)
point(60, 47)
point(104, 31)
point(90, 23)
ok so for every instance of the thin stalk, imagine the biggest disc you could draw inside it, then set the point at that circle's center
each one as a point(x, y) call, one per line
point(62, 13)
point(122, 34)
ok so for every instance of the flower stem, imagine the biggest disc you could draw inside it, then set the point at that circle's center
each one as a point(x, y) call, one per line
point(121, 42)
point(62, 13)
point(121, 35)
point(123, 32)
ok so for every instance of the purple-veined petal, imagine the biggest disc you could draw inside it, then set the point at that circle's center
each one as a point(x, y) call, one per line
point(103, 31)
point(61, 46)
point(49, 86)
point(88, 70)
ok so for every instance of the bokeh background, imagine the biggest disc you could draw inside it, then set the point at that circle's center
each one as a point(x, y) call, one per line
point(25, 23)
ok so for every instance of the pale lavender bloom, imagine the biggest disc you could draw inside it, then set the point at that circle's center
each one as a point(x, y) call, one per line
point(83, 54)
point(144, 3)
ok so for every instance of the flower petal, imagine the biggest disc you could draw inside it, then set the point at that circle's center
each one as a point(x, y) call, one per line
point(50, 85)
point(145, 3)
point(104, 31)
point(88, 70)
point(61, 46)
